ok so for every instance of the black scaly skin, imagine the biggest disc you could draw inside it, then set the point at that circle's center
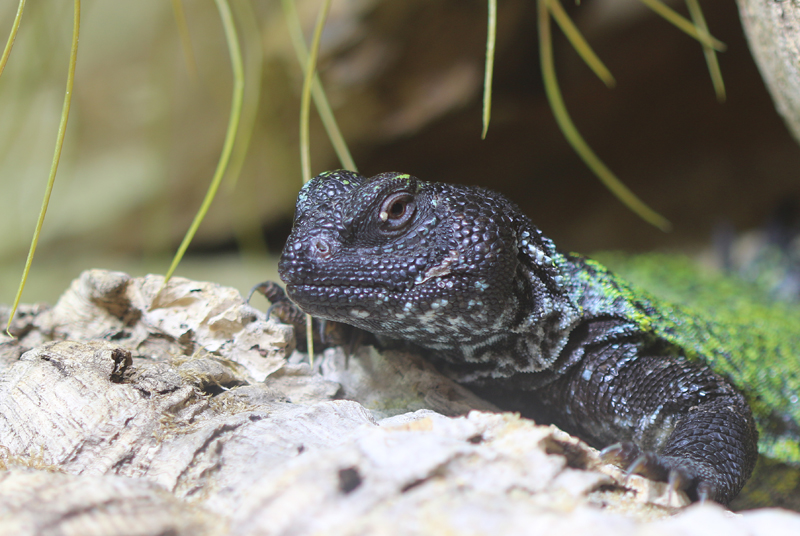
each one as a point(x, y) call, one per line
point(462, 272)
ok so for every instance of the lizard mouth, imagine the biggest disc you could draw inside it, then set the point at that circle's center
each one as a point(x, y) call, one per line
point(304, 292)
point(341, 303)
point(375, 289)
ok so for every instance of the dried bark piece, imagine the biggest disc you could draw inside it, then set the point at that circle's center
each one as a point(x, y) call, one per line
point(42, 504)
point(163, 323)
point(60, 402)
point(420, 476)
point(393, 382)
point(206, 449)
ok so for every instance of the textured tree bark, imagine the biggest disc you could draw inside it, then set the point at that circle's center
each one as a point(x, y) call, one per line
point(773, 32)
point(131, 410)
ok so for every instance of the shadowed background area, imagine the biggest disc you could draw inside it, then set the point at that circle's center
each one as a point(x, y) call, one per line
point(404, 79)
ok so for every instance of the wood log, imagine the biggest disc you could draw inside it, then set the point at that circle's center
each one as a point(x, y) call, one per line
point(128, 409)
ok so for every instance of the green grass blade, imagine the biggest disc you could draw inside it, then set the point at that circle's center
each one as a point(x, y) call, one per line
point(186, 40)
point(252, 87)
point(487, 77)
point(305, 99)
point(579, 43)
point(246, 227)
point(305, 150)
point(235, 53)
point(571, 133)
point(62, 128)
point(684, 25)
point(12, 36)
point(317, 91)
point(710, 54)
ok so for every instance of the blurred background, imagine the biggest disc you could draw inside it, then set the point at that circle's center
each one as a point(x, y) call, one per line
point(405, 81)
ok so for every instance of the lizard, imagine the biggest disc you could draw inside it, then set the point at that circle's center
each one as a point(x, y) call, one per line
point(462, 273)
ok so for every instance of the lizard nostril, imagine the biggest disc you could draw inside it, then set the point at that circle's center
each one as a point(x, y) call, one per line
point(321, 249)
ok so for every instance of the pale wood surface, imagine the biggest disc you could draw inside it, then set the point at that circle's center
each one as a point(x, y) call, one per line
point(151, 419)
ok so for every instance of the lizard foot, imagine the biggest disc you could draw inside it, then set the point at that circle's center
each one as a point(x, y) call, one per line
point(281, 306)
point(326, 333)
point(681, 474)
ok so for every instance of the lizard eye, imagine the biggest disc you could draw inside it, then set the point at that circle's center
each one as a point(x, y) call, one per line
point(397, 210)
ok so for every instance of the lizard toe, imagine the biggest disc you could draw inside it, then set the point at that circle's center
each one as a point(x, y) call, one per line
point(681, 474)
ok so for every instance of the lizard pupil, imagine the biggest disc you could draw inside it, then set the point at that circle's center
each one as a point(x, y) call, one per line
point(397, 210)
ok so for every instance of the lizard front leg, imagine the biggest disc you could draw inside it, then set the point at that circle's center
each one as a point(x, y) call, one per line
point(671, 419)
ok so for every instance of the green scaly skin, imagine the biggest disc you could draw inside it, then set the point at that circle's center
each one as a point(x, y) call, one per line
point(741, 333)
point(767, 364)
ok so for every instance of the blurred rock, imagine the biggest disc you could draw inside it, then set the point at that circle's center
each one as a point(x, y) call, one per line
point(773, 32)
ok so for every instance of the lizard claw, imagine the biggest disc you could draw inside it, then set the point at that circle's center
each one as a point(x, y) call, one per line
point(680, 474)
point(326, 333)
point(638, 467)
point(621, 454)
point(628, 456)
point(704, 492)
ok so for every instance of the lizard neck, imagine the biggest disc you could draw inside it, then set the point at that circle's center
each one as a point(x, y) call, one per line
point(538, 317)
point(598, 293)
point(554, 293)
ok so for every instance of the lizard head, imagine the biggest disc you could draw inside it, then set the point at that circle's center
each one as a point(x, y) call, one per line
point(404, 258)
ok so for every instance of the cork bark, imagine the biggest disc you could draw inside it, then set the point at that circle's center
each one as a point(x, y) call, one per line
point(128, 409)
